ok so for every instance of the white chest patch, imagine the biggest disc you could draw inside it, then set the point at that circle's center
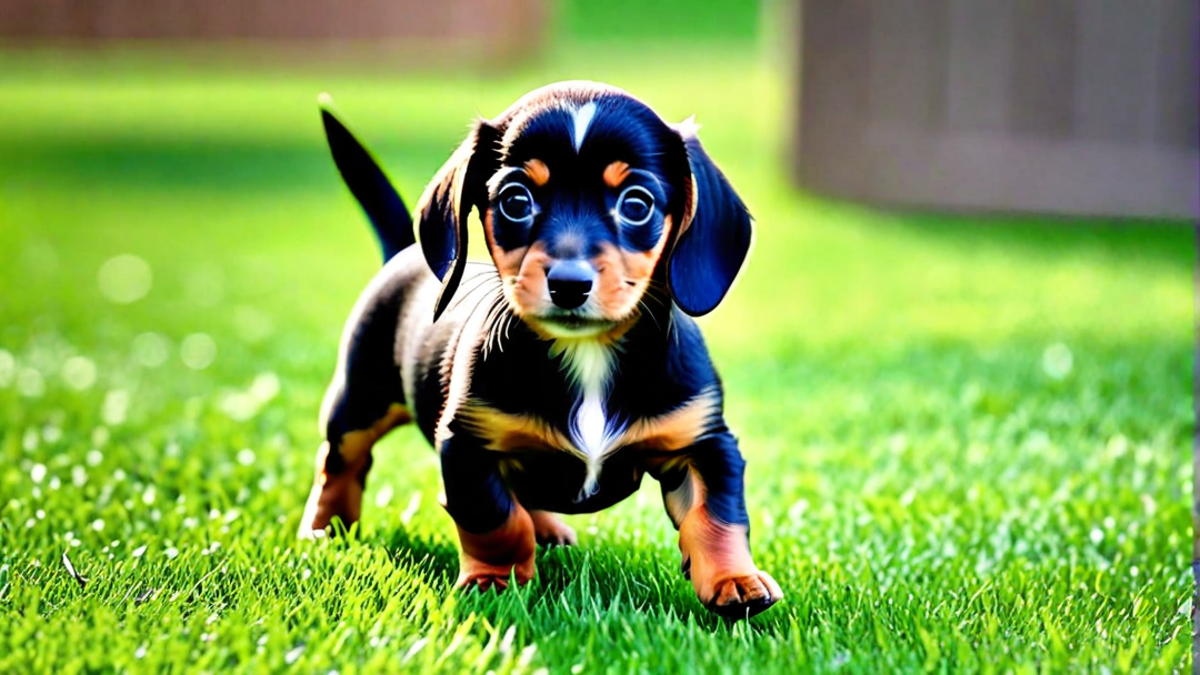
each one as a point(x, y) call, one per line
point(582, 118)
point(589, 366)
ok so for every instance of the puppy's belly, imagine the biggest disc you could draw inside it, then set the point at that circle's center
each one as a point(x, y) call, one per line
point(551, 480)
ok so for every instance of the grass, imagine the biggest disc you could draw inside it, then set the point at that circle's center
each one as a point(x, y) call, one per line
point(967, 437)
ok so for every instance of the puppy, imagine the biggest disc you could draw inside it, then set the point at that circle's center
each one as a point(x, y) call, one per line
point(553, 380)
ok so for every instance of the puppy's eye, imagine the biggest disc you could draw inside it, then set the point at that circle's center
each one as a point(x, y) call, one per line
point(516, 203)
point(635, 205)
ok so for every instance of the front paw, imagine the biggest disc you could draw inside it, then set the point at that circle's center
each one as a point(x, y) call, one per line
point(716, 557)
point(482, 576)
point(741, 597)
point(490, 560)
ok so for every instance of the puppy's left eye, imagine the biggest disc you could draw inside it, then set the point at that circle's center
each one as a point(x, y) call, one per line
point(635, 205)
point(516, 203)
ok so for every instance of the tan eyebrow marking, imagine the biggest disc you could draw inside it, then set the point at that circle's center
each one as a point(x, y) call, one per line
point(537, 171)
point(615, 173)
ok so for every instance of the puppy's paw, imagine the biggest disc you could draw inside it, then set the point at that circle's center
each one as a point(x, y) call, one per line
point(716, 557)
point(482, 582)
point(551, 531)
point(489, 560)
point(478, 575)
point(741, 597)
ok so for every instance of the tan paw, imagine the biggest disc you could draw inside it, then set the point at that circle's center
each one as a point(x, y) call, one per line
point(478, 575)
point(481, 583)
point(551, 531)
point(337, 497)
point(489, 560)
point(742, 597)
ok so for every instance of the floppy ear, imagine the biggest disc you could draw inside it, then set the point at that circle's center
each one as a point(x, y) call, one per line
point(459, 186)
point(715, 235)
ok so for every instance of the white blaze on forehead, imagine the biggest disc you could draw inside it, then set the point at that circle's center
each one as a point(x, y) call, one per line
point(582, 117)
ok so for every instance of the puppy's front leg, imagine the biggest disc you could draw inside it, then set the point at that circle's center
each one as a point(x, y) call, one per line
point(495, 532)
point(706, 501)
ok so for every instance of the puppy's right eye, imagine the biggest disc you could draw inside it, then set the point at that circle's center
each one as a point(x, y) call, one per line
point(516, 203)
point(635, 206)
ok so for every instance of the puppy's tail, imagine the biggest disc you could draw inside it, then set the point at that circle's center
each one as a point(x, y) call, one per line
point(389, 217)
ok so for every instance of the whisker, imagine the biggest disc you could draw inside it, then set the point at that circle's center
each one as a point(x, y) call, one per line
point(476, 282)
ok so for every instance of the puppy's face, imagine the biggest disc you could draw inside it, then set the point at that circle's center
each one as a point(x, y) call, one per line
point(588, 201)
point(578, 214)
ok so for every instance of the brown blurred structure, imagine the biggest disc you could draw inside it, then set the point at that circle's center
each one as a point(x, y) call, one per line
point(1058, 106)
point(439, 30)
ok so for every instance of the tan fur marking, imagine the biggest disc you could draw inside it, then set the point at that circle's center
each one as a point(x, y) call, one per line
point(537, 171)
point(674, 430)
point(340, 495)
point(615, 294)
point(623, 277)
point(508, 263)
point(669, 432)
point(717, 556)
point(615, 174)
point(689, 204)
point(354, 444)
point(505, 432)
point(487, 560)
point(527, 289)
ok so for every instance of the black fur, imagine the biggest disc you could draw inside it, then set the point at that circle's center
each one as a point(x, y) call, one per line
point(370, 187)
point(708, 256)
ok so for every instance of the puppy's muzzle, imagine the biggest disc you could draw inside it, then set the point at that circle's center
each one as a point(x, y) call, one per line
point(570, 282)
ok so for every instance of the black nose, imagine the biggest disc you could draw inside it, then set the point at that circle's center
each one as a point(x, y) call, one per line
point(570, 281)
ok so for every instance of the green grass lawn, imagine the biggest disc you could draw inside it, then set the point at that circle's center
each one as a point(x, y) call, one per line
point(967, 437)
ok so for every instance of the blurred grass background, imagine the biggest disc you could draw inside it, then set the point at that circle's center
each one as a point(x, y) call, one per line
point(967, 436)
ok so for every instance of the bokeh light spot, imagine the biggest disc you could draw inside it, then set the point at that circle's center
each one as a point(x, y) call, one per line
point(151, 350)
point(30, 383)
point(79, 372)
point(1058, 361)
point(198, 351)
point(125, 278)
point(8, 368)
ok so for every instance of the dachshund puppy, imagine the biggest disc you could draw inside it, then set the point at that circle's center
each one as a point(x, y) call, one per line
point(553, 380)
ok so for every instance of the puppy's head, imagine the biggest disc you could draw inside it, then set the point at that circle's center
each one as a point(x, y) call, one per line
point(586, 197)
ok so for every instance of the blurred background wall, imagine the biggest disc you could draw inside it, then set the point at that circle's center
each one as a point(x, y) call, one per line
point(1061, 106)
point(414, 29)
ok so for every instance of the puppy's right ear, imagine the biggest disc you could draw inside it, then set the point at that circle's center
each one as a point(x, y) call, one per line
point(459, 186)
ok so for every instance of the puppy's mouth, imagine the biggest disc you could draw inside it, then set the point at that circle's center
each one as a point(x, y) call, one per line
point(573, 324)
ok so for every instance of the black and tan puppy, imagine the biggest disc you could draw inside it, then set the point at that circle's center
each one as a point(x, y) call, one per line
point(553, 380)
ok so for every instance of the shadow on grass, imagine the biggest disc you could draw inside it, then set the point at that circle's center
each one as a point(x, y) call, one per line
point(576, 585)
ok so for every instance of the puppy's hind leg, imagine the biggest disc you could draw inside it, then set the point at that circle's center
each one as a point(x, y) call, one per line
point(364, 402)
point(550, 530)
point(343, 461)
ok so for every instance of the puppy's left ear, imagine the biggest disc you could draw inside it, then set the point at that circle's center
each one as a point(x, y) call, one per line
point(459, 186)
point(715, 235)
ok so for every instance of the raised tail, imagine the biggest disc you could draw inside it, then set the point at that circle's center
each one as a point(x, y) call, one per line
point(389, 217)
